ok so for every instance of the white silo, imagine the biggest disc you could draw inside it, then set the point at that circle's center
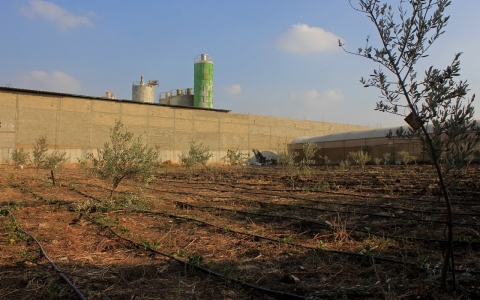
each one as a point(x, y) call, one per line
point(144, 93)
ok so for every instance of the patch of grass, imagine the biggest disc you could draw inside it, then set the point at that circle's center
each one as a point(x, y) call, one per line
point(53, 290)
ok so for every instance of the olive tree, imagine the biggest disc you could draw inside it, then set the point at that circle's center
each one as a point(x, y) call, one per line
point(197, 154)
point(360, 157)
point(122, 158)
point(19, 157)
point(235, 157)
point(39, 151)
point(54, 163)
point(309, 151)
point(286, 161)
point(435, 107)
point(406, 157)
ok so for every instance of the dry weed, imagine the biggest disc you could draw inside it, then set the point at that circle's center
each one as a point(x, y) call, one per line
point(340, 233)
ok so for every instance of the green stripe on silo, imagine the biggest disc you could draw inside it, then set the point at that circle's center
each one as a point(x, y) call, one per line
point(203, 84)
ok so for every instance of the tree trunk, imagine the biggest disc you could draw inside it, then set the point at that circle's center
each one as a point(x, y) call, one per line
point(449, 252)
point(53, 177)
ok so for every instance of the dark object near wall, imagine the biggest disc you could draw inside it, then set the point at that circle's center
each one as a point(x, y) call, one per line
point(260, 158)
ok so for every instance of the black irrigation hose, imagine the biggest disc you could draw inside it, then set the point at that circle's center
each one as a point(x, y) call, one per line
point(333, 193)
point(319, 209)
point(279, 240)
point(347, 204)
point(363, 213)
point(274, 240)
point(280, 294)
point(381, 206)
point(356, 205)
point(294, 244)
point(80, 296)
point(266, 215)
point(379, 258)
point(37, 196)
point(83, 194)
point(316, 201)
point(339, 204)
point(389, 198)
point(291, 296)
point(12, 203)
point(55, 268)
point(366, 214)
point(340, 211)
point(399, 238)
point(473, 243)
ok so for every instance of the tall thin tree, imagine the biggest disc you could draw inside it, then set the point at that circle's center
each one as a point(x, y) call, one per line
point(434, 107)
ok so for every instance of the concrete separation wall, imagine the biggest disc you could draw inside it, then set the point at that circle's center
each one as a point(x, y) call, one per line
point(80, 124)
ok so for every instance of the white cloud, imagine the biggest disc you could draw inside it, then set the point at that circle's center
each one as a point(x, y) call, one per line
point(303, 39)
point(54, 82)
point(232, 89)
point(54, 13)
point(314, 99)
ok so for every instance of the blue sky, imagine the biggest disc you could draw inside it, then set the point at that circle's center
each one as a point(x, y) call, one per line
point(275, 58)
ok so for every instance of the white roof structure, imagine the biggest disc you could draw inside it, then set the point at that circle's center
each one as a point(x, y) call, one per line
point(356, 135)
point(350, 135)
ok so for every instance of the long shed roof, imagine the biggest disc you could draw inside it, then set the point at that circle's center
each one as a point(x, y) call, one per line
point(349, 135)
point(355, 135)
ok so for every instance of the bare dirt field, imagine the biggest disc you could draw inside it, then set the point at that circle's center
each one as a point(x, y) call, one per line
point(237, 233)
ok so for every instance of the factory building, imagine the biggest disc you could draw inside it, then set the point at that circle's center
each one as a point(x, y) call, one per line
point(80, 124)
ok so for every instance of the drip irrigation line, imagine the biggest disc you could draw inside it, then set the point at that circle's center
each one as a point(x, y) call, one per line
point(347, 204)
point(379, 258)
point(327, 192)
point(353, 205)
point(55, 268)
point(364, 213)
point(387, 198)
point(322, 202)
point(295, 198)
point(474, 243)
point(331, 203)
point(293, 244)
point(16, 204)
point(368, 214)
point(83, 194)
point(271, 239)
point(400, 238)
point(355, 212)
point(321, 224)
point(381, 206)
point(348, 212)
point(39, 197)
point(280, 294)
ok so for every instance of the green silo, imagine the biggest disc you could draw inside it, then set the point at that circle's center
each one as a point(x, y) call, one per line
point(203, 81)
